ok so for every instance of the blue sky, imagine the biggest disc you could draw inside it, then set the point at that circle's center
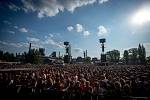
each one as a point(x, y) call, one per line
point(48, 23)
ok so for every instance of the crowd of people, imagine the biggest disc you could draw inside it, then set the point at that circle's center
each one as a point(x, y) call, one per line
point(78, 81)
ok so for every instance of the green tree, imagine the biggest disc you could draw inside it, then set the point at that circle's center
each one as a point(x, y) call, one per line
point(6, 56)
point(24, 57)
point(33, 56)
point(113, 56)
point(133, 55)
point(143, 61)
point(11, 57)
point(141, 54)
point(87, 60)
point(126, 57)
point(148, 60)
point(1, 55)
point(42, 51)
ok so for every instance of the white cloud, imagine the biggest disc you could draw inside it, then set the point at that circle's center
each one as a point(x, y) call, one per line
point(33, 39)
point(36, 45)
point(102, 30)
point(48, 41)
point(16, 27)
point(86, 33)
point(12, 32)
point(51, 41)
point(13, 7)
point(79, 27)
point(70, 28)
point(50, 8)
point(103, 1)
point(43, 7)
point(23, 29)
point(3, 42)
point(51, 35)
point(17, 45)
point(77, 50)
point(7, 22)
point(71, 5)
point(20, 45)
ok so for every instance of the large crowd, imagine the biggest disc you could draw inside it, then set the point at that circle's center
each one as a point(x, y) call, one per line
point(78, 81)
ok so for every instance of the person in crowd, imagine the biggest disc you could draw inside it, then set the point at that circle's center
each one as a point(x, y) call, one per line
point(77, 81)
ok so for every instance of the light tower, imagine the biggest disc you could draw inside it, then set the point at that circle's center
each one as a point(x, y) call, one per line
point(86, 53)
point(29, 54)
point(67, 56)
point(103, 55)
point(29, 47)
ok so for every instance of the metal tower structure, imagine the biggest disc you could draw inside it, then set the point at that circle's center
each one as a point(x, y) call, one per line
point(103, 55)
point(67, 56)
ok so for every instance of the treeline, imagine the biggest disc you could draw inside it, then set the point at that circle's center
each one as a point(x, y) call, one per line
point(135, 55)
point(131, 56)
point(32, 56)
point(6, 56)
